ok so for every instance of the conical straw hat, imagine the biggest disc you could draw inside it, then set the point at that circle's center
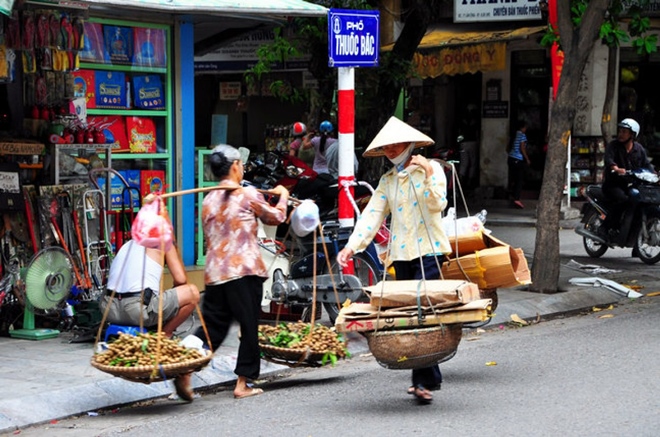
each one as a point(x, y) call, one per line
point(396, 131)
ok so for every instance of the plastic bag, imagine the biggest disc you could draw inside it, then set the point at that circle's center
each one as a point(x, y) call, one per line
point(152, 228)
point(305, 218)
point(460, 226)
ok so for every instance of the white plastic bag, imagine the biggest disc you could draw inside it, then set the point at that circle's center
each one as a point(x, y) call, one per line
point(460, 226)
point(305, 218)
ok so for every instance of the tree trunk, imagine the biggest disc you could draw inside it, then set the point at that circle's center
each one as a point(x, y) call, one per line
point(577, 44)
point(605, 124)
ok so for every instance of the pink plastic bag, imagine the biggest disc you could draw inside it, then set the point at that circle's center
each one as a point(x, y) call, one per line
point(152, 228)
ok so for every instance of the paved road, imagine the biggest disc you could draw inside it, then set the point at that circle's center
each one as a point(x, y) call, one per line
point(590, 374)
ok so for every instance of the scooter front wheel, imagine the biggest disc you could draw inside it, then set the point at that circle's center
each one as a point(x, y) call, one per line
point(647, 245)
point(369, 274)
point(594, 249)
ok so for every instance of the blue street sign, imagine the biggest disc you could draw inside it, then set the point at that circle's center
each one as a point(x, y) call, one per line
point(353, 38)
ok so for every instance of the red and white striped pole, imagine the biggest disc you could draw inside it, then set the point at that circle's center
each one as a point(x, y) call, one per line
point(346, 137)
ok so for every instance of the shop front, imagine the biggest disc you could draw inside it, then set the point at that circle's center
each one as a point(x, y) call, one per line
point(101, 95)
point(476, 83)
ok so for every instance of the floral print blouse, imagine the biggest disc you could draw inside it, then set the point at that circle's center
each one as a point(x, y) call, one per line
point(229, 220)
point(416, 203)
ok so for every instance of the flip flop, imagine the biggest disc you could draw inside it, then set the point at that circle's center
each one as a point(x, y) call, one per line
point(423, 395)
point(251, 392)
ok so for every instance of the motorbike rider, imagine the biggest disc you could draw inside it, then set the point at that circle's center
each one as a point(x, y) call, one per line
point(298, 132)
point(320, 143)
point(621, 155)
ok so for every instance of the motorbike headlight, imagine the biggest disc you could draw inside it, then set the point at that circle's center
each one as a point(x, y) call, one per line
point(293, 172)
point(648, 176)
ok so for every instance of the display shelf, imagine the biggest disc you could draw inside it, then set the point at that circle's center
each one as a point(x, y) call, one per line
point(204, 179)
point(77, 149)
point(586, 163)
point(126, 68)
point(121, 156)
point(129, 112)
point(153, 137)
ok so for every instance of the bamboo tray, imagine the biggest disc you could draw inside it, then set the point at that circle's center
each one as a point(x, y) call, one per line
point(155, 373)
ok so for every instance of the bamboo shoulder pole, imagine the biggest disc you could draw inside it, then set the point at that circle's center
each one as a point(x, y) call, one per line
point(151, 196)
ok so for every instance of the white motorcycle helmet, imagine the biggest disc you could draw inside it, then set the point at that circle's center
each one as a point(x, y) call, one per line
point(631, 124)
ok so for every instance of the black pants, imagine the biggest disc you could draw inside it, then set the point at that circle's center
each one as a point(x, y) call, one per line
point(238, 300)
point(428, 376)
point(516, 176)
point(617, 197)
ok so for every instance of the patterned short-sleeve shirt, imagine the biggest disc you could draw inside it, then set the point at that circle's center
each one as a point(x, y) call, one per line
point(229, 220)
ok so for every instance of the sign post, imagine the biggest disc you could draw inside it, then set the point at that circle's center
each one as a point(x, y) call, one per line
point(352, 42)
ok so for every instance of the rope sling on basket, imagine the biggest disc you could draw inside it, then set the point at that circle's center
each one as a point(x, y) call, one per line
point(418, 347)
point(149, 357)
point(307, 345)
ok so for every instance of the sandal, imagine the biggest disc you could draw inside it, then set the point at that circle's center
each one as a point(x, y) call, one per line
point(423, 395)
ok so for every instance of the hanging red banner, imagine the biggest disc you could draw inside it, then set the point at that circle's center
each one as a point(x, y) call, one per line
point(556, 55)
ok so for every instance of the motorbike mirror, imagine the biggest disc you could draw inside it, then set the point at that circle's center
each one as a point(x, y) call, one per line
point(293, 172)
point(460, 138)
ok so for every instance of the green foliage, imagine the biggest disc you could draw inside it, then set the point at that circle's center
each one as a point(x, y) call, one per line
point(611, 33)
point(577, 11)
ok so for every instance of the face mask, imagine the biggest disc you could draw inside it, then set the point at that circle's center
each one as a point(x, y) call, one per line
point(400, 160)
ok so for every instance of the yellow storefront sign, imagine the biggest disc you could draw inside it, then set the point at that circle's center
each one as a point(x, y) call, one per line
point(461, 59)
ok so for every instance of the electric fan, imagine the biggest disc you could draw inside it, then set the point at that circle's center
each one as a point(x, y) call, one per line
point(48, 281)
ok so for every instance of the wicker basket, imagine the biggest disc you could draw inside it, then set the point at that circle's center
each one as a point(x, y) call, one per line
point(292, 357)
point(149, 374)
point(414, 348)
point(489, 293)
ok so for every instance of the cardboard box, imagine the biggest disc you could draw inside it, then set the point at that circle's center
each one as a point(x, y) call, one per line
point(361, 317)
point(439, 293)
point(84, 85)
point(494, 267)
point(110, 89)
point(152, 181)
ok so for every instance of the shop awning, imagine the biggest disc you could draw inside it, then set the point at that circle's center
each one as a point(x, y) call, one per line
point(455, 49)
point(439, 37)
point(222, 7)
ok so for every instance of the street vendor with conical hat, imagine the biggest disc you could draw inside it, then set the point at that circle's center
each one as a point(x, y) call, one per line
point(414, 192)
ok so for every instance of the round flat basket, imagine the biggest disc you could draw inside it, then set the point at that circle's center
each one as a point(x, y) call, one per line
point(292, 357)
point(414, 348)
point(149, 374)
point(489, 293)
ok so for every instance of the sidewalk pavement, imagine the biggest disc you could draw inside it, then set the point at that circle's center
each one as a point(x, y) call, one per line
point(52, 379)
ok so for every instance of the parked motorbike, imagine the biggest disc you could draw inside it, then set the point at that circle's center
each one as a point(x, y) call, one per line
point(639, 226)
point(294, 271)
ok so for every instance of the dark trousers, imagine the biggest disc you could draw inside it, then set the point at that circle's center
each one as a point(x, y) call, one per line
point(427, 376)
point(516, 176)
point(617, 196)
point(238, 300)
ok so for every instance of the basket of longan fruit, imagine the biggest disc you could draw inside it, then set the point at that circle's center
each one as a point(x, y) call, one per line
point(149, 357)
point(301, 344)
